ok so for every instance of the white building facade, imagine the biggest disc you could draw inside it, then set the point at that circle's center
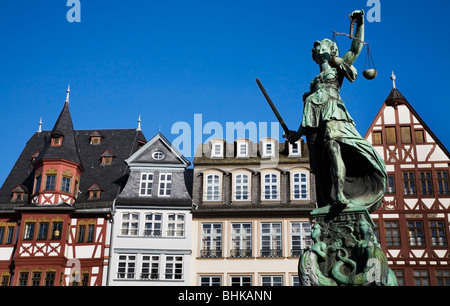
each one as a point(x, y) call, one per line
point(151, 236)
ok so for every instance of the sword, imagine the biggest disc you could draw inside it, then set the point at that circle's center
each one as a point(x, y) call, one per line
point(274, 109)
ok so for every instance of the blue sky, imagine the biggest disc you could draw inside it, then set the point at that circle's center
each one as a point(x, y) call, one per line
point(168, 60)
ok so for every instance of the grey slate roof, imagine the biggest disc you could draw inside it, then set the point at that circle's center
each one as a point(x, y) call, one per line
point(110, 178)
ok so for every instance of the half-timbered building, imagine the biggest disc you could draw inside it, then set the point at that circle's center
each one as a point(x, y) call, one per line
point(55, 205)
point(413, 223)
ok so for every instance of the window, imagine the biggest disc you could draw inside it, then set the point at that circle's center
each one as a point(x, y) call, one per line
point(158, 155)
point(211, 280)
point(36, 278)
point(421, 278)
point(242, 150)
point(271, 240)
point(107, 158)
point(37, 185)
point(175, 225)
point(419, 136)
point(270, 186)
point(81, 232)
point(150, 267)
point(415, 233)
point(377, 138)
point(43, 231)
point(2, 234)
point(443, 277)
point(29, 231)
point(295, 149)
point(442, 182)
point(300, 186)
point(10, 235)
point(127, 266)
point(146, 184)
point(217, 150)
point(392, 230)
point(405, 132)
point(152, 225)
point(241, 281)
point(268, 149)
point(211, 240)
point(56, 230)
point(50, 277)
point(409, 183)
point(400, 274)
point(94, 191)
point(91, 232)
point(426, 182)
point(56, 141)
point(241, 187)
point(390, 188)
point(165, 184)
point(65, 184)
point(438, 234)
point(212, 187)
point(300, 237)
point(391, 137)
point(241, 240)
point(267, 280)
point(174, 267)
point(95, 140)
point(130, 224)
point(23, 278)
point(50, 183)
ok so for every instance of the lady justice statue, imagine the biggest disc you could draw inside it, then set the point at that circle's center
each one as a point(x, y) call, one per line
point(350, 177)
point(348, 171)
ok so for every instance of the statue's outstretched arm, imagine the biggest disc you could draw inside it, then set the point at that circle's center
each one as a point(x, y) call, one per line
point(358, 38)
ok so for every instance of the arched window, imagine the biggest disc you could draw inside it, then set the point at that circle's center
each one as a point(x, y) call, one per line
point(300, 186)
point(212, 187)
point(270, 186)
point(242, 187)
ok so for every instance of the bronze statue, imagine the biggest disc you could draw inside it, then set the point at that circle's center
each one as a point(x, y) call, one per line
point(348, 171)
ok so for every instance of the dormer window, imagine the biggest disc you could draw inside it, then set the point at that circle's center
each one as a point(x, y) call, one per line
point(107, 157)
point(34, 156)
point(217, 148)
point(18, 193)
point(94, 192)
point(295, 149)
point(268, 147)
point(96, 138)
point(56, 141)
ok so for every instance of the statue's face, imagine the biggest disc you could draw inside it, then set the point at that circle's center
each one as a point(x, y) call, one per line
point(321, 53)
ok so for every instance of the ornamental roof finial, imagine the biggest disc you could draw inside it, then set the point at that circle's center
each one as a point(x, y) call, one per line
point(393, 77)
point(68, 92)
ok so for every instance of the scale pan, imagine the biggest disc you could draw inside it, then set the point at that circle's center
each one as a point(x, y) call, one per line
point(370, 74)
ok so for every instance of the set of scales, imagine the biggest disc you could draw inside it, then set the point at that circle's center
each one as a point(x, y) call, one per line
point(371, 72)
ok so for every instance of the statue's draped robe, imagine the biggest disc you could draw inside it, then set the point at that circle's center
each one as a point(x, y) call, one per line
point(325, 118)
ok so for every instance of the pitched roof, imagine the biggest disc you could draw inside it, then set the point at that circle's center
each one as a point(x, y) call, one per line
point(68, 150)
point(111, 178)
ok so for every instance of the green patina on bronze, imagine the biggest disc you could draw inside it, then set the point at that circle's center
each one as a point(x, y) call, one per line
point(350, 177)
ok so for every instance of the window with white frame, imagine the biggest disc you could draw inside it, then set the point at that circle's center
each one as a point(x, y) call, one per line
point(242, 187)
point(300, 237)
point(300, 186)
point(210, 280)
point(212, 187)
point(270, 183)
point(244, 280)
point(272, 280)
point(241, 240)
point(175, 225)
point(211, 240)
point(271, 239)
point(295, 149)
point(150, 267)
point(153, 225)
point(174, 267)
point(146, 184)
point(126, 267)
point(217, 149)
point(268, 149)
point(242, 149)
point(130, 224)
point(165, 184)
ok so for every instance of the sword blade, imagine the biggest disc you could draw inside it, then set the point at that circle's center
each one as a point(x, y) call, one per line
point(274, 109)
